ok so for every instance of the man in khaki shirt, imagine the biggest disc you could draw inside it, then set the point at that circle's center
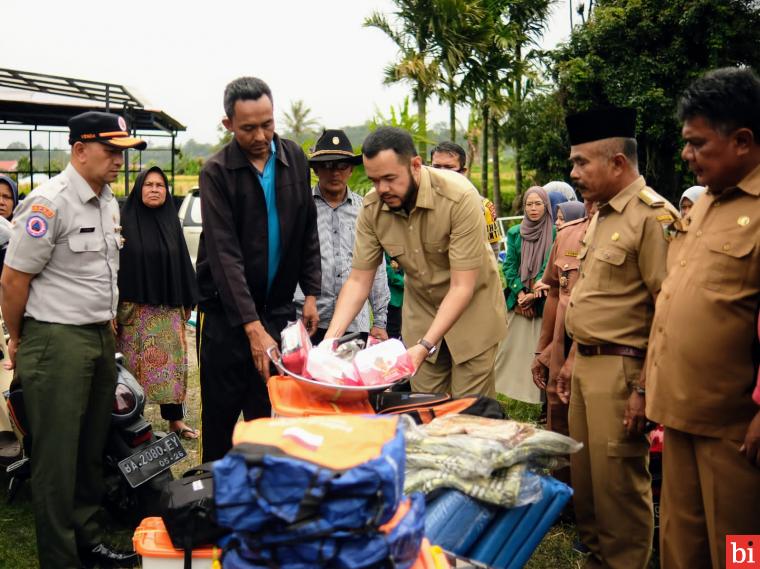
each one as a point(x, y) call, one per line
point(703, 350)
point(431, 223)
point(609, 315)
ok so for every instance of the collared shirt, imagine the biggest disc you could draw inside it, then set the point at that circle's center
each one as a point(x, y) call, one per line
point(445, 231)
point(233, 253)
point(267, 179)
point(69, 238)
point(703, 351)
point(622, 268)
point(561, 273)
point(337, 228)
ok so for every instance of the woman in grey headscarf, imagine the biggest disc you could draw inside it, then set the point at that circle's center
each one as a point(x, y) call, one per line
point(8, 202)
point(689, 198)
point(528, 246)
point(569, 211)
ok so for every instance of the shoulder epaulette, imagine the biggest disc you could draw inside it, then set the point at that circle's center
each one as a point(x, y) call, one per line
point(655, 200)
point(651, 198)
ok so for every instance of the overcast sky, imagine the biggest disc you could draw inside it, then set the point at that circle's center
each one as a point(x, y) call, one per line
point(178, 56)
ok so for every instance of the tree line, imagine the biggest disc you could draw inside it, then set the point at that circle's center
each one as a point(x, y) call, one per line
point(484, 56)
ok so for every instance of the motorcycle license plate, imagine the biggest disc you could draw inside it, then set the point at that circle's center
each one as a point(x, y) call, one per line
point(151, 461)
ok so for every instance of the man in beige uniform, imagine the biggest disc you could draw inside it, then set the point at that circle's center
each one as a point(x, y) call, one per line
point(431, 223)
point(609, 316)
point(703, 351)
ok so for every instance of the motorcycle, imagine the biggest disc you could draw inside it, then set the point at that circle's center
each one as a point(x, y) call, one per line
point(136, 461)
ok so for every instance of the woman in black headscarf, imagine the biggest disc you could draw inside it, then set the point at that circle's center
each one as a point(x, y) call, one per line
point(157, 291)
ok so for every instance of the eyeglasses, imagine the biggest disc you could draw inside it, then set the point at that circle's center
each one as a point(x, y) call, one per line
point(447, 167)
point(339, 166)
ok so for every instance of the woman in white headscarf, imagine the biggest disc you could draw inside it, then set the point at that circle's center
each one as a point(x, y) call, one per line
point(689, 198)
point(563, 188)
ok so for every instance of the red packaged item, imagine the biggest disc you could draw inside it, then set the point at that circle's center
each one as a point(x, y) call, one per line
point(296, 346)
point(383, 363)
point(323, 365)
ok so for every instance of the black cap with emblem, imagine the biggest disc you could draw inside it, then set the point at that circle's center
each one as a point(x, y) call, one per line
point(598, 124)
point(106, 128)
point(334, 146)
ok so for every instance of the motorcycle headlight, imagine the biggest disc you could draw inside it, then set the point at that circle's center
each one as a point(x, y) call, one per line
point(124, 401)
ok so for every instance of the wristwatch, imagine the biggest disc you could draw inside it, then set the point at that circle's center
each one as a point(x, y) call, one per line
point(640, 390)
point(431, 348)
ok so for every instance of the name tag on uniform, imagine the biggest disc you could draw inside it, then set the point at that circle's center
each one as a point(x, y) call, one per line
point(87, 230)
point(571, 253)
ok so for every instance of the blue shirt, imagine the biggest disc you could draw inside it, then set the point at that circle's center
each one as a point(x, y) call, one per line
point(273, 221)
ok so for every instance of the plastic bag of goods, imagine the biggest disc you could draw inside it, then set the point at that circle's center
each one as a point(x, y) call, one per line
point(296, 346)
point(323, 365)
point(383, 363)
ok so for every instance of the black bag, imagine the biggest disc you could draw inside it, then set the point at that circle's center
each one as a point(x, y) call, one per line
point(424, 407)
point(187, 508)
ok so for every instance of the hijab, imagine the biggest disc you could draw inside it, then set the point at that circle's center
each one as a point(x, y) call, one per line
point(572, 210)
point(556, 198)
point(563, 188)
point(155, 265)
point(536, 237)
point(692, 194)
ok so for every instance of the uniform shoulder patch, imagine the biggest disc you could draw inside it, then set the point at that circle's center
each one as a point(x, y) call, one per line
point(36, 226)
point(43, 209)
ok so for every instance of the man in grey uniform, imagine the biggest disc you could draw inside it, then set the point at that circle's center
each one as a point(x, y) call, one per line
point(59, 296)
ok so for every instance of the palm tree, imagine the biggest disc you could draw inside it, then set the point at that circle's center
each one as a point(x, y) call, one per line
point(457, 31)
point(298, 123)
point(400, 117)
point(482, 85)
point(411, 33)
point(499, 77)
point(526, 22)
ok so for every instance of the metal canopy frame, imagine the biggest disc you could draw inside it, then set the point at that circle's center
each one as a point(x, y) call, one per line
point(71, 95)
point(108, 93)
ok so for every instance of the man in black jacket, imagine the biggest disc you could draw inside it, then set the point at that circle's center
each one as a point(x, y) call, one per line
point(259, 240)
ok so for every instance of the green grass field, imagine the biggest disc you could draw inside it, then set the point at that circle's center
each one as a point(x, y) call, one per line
point(17, 537)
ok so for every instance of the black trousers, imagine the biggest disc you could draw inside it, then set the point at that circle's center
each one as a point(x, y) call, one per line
point(230, 382)
point(394, 322)
point(172, 411)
